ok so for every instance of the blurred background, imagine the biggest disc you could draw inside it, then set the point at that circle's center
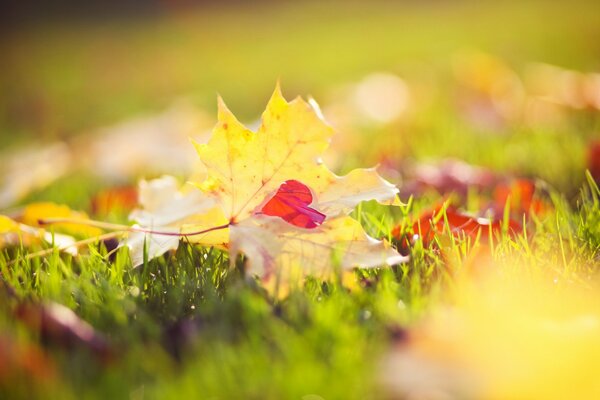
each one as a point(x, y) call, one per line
point(104, 92)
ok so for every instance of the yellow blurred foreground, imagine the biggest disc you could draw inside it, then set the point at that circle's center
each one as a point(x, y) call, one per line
point(514, 335)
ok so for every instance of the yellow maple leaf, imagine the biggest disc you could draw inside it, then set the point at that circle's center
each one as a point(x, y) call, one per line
point(274, 248)
point(281, 162)
point(269, 196)
point(244, 167)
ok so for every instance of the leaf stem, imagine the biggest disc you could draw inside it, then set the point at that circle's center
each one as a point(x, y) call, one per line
point(120, 227)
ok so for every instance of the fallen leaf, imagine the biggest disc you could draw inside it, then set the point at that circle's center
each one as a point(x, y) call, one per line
point(160, 141)
point(59, 325)
point(7, 224)
point(447, 219)
point(244, 168)
point(13, 233)
point(285, 208)
point(593, 160)
point(274, 246)
point(123, 198)
point(34, 213)
point(276, 202)
point(522, 196)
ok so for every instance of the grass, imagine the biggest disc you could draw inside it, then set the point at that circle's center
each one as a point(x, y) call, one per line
point(187, 325)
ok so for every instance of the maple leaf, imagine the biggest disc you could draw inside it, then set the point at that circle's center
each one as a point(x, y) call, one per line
point(448, 219)
point(521, 198)
point(245, 167)
point(275, 200)
point(273, 247)
point(284, 207)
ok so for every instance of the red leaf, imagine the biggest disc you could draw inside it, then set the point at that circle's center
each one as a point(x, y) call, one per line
point(522, 198)
point(459, 224)
point(594, 160)
point(291, 203)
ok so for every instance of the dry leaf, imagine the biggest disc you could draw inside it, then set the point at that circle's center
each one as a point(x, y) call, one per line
point(13, 233)
point(447, 219)
point(35, 212)
point(273, 246)
point(60, 325)
point(285, 208)
point(274, 199)
point(520, 194)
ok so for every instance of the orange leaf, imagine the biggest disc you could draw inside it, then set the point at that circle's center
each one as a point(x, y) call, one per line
point(521, 193)
point(123, 198)
point(450, 220)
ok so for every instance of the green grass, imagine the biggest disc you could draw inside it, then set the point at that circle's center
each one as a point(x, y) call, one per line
point(186, 325)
